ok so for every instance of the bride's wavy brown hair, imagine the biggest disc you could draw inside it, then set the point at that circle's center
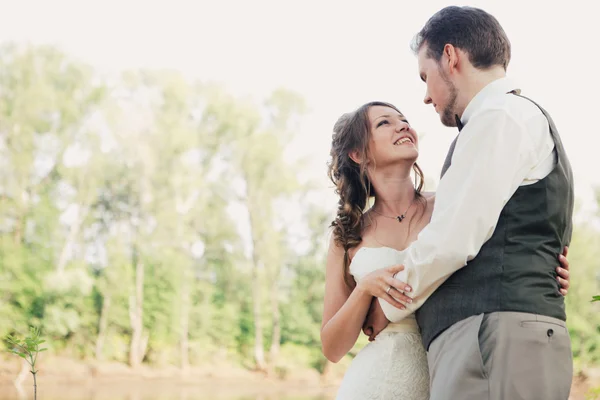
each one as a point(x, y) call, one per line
point(352, 132)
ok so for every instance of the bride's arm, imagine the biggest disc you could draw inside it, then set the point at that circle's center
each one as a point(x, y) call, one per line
point(344, 309)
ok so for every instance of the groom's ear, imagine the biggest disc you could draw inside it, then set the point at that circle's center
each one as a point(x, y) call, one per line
point(355, 156)
point(451, 57)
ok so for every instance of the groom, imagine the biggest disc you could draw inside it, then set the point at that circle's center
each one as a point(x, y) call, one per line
point(482, 272)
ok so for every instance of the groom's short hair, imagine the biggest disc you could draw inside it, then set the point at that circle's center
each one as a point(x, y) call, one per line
point(470, 29)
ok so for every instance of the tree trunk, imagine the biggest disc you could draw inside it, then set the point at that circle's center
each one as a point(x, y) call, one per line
point(136, 309)
point(259, 352)
point(21, 220)
point(326, 371)
point(102, 326)
point(21, 377)
point(276, 343)
point(71, 237)
point(19, 229)
point(185, 322)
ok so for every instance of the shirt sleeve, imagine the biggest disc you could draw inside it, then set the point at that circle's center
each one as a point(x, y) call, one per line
point(492, 157)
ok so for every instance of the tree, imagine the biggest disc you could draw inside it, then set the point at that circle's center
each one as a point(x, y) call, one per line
point(47, 104)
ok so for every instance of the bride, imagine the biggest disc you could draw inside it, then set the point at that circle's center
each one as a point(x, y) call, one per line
point(373, 152)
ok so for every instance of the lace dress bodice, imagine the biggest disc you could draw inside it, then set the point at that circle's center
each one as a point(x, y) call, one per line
point(394, 365)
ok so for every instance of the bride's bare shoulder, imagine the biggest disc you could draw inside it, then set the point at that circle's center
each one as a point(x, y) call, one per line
point(430, 201)
point(429, 196)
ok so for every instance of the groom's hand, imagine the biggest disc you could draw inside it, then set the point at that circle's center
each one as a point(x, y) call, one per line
point(376, 320)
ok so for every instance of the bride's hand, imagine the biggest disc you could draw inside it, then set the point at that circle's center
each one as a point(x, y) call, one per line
point(382, 284)
point(376, 320)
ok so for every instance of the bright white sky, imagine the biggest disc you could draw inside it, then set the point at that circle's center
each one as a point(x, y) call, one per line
point(337, 54)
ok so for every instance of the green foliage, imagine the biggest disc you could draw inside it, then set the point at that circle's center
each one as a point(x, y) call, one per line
point(583, 318)
point(152, 221)
point(593, 394)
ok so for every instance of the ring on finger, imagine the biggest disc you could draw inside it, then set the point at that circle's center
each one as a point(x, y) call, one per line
point(388, 289)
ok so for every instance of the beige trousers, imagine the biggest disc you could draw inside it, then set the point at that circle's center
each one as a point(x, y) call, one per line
point(502, 356)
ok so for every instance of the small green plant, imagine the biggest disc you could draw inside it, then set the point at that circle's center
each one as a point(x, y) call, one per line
point(595, 298)
point(28, 349)
point(593, 394)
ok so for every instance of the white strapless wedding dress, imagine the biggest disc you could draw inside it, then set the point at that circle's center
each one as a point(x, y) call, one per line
point(394, 365)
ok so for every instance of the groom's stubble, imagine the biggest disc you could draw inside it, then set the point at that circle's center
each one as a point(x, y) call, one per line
point(448, 113)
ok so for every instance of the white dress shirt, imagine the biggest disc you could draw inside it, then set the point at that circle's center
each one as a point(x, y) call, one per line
point(505, 143)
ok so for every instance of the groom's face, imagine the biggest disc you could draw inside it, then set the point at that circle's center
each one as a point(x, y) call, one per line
point(440, 92)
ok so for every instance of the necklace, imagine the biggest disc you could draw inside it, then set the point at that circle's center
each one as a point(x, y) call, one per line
point(399, 217)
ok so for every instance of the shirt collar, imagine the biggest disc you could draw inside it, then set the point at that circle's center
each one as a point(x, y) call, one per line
point(499, 86)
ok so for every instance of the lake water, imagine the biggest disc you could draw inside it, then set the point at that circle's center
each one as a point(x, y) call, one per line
point(162, 392)
point(173, 396)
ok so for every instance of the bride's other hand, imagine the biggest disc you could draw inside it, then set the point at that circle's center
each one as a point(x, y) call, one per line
point(376, 320)
point(563, 272)
point(382, 284)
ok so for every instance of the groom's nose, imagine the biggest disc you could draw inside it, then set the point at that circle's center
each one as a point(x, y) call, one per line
point(427, 99)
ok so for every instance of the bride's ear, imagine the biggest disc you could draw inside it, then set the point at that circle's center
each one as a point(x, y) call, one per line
point(355, 156)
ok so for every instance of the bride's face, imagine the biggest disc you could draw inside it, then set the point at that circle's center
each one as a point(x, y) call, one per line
point(392, 140)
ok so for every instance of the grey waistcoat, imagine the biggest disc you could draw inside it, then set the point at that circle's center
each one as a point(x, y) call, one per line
point(515, 268)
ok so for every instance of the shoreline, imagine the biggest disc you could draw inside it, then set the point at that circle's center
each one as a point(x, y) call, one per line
point(225, 377)
point(67, 379)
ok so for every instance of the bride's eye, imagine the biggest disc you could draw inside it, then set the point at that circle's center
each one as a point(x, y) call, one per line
point(382, 122)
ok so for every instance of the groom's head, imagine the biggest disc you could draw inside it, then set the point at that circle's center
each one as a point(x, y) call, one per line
point(455, 48)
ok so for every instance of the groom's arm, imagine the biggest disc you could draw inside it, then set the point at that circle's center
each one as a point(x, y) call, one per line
point(494, 154)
